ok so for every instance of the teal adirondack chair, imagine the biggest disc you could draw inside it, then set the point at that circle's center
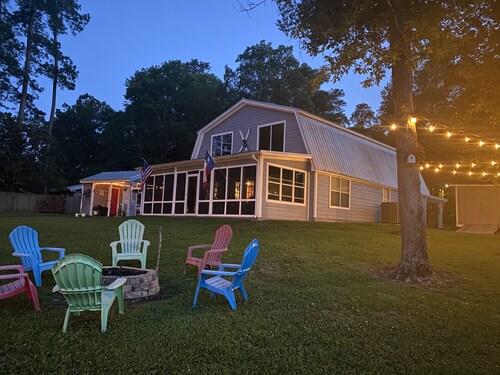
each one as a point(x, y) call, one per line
point(226, 287)
point(78, 279)
point(131, 243)
point(24, 240)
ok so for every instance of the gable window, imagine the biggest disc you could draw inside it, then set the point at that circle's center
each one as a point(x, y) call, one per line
point(222, 144)
point(286, 185)
point(271, 137)
point(340, 192)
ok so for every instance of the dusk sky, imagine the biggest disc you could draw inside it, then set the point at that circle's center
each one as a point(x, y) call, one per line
point(125, 36)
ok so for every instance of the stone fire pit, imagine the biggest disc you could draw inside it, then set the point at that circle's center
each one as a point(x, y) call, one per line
point(141, 283)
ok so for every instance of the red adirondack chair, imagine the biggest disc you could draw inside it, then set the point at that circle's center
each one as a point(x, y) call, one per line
point(212, 256)
point(20, 284)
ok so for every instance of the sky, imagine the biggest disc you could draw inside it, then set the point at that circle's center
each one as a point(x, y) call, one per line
point(124, 36)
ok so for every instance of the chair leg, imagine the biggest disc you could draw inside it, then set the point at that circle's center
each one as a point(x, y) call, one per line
point(196, 295)
point(66, 320)
point(113, 261)
point(143, 263)
point(230, 298)
point(32, 294)
point(121, 301)
point(243, 292)
point(104, 317)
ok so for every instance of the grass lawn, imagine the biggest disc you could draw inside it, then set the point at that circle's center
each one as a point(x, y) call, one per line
point(316, 305)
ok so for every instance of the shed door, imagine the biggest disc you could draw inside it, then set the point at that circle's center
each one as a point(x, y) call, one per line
point(478, 205)
point(115, 193)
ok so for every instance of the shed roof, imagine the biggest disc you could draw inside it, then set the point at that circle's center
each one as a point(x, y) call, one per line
point(118, 176)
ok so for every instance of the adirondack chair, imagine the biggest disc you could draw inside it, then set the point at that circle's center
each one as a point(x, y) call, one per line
point(78, 279)
point(20, 284)
point(131, 242)
point(211, 257)
point(226, 287)
point(24, 240)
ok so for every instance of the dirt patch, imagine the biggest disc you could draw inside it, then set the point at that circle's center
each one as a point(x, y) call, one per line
point(437, 278)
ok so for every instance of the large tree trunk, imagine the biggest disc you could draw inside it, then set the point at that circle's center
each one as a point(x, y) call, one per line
point(27, 66)
point(414, 262)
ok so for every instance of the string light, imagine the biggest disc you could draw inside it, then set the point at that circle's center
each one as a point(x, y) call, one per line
point(436, 170)
point(413, 120)
point(493, 162)
point(484, 174)
point(470, 173)
point(440, 166)
point(393, 126)
point(431, 128)
point(454, 172)
point(421, 167)
point(458, 165)
point(467, 139)
point(448, 134)
point(497, 146)
point(481, 143)
point(427, 165)
point(473, 165)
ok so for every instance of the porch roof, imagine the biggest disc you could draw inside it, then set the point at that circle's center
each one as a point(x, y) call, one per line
point(118, 176)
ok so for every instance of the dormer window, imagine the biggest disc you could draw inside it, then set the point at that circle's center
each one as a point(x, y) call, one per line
point(272, 137)
point(222, 144)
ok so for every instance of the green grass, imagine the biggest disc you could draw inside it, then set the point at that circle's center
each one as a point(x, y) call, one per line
point(315, 305)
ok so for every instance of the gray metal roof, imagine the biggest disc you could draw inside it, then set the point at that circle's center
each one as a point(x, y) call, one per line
point(339, 150)
point(130, 176)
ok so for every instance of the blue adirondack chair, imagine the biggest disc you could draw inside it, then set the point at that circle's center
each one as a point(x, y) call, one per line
point(220, 285)
point(24, 240)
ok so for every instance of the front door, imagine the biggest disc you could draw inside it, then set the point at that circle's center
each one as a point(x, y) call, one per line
point(115, 193)
point(191, 194)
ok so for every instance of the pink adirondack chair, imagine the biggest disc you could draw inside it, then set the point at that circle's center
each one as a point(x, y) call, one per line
point(20, 284)
point(212, 256)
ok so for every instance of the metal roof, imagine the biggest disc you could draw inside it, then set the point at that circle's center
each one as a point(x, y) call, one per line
point(130, 176)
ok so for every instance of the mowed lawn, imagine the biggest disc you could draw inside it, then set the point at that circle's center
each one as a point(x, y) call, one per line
point(316, 305)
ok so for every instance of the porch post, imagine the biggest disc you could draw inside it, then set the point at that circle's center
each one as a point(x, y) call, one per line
point(91, 211)
point(440, 215)
point(110, 190)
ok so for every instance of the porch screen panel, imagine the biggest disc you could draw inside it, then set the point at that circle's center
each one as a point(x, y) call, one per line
point(180, 193)
point(158, 188)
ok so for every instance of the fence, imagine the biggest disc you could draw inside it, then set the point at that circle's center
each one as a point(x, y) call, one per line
point(20, 202)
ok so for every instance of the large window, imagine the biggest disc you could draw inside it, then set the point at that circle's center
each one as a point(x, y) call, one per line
point(340, 192)
point(286, 185)
point(222, 144)
point(271, 137)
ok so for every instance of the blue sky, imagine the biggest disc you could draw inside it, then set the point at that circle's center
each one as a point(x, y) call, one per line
point(124, 36)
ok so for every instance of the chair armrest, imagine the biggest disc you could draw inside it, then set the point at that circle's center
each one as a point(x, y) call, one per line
point(113, 245)
point(228, 265)
point(59, 250)
point(191, 248)
point(115, 284)
point(12, 267)
point(20, 255)
point(218, 273)
point(55, 289)
point(13, 276)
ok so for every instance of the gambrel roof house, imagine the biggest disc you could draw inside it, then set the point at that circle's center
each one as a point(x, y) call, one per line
point(278, 162)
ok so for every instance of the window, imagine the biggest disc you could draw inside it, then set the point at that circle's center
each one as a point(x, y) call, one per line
point(222, 144)
point(271, 137)
point(340, 192)
point(286, 185)
point(386, 195)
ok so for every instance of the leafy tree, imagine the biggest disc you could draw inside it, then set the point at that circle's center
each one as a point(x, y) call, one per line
point(363, 117)
point(372, 37)
point(167, 104)
point(78, 136)
point(274, 75)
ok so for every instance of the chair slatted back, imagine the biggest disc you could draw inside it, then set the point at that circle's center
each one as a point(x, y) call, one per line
point(249, 257)
point(79, 279)
point(24, 240)
point(222, 238)
point(131, 233)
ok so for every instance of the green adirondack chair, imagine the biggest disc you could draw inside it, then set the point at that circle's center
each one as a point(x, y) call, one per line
point(78, 279)
point(131, 242)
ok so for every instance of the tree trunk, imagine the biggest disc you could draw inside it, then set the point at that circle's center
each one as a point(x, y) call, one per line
point(413, 262)
point(27, 66)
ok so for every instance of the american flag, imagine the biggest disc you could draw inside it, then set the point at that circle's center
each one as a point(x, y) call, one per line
point(145, 173)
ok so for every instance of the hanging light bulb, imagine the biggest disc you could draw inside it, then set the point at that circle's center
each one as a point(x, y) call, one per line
point(431, 128)
point(467, 139)
point(448, 134)
point(436, 170)
point(481, 143)
point(440, 166)
point(454, 172)
point(484, 174)
point(413, 120)
point(498, 174)
point(458, 165)
point(473, 165)
point(497, 146)
point(421, 167)
point(470, 173)
point(493, 162)
point(393, 126)
point(427, 165)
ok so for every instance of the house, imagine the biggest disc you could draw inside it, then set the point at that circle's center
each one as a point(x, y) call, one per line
point(110, 193)
point(279, 162)
point(477, 208)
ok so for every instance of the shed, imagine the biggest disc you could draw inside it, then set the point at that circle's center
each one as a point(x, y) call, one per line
point(110, 193)
point(477, 208)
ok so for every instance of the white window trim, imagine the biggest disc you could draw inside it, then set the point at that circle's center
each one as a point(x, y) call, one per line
point(280, 201)
point(383, 195)
point(271, 124)
point(330, 193)
point(220, 135)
